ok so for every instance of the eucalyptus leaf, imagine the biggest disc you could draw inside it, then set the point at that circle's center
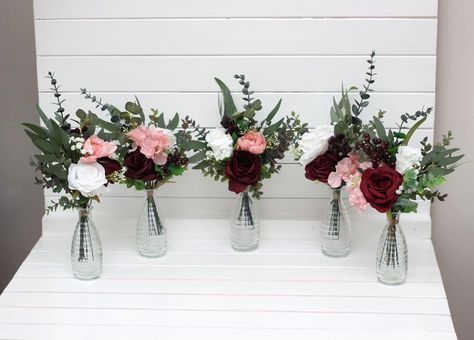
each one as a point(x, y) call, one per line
point(229, 105)
point(197, 157)
point(173, 124)
point(380, 129)
point(272, 113)
point(412, 131)
point(273, 128)
point(44, 118)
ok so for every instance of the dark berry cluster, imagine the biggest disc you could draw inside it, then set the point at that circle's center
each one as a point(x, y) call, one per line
point(177, 159)
point(229, 125)
point(376, 150)
point(338, 146)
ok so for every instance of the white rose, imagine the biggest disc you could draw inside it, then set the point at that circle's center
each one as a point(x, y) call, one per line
point(315, 143)
point(88, 178)
point(407, 157)
point(220, 143)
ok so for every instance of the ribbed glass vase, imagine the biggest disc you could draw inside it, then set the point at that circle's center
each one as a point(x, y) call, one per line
point(245, 225)
point(392, 253)
point(151, 231)
point(86, 249)
point(336, 227)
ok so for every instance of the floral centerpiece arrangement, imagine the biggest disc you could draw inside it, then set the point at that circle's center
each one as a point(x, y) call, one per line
point(152, 154)
point(77, 161)
point(331, 155)
point(244, 152)
point(398, 176)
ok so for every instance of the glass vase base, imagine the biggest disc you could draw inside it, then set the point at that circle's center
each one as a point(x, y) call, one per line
point(244, 248)
point(245, 239)
point(336, 252)
point(391, 281)
point(87, 275)
point(154, 247)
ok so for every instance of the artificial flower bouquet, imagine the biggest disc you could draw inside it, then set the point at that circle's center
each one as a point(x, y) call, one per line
point(77, 161)
point(331, 155)
point(398, 175)
point(152, 154)
point(244, 151)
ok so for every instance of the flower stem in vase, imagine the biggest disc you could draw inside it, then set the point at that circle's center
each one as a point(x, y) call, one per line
point(336, 228)
point(245, 227)
point(151, 231)
point(392, 254)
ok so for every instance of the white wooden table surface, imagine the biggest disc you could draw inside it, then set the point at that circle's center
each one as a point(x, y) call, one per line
point(202, 289)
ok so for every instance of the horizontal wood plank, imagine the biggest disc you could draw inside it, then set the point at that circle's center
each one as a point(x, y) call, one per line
point(61, 332)
point(211, 319)
point(237, 37)
point(188, 74)
point(54, 9)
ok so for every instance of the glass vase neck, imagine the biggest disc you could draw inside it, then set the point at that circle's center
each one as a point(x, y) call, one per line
point(336, 193)
point(393, 219)
point(150, 192)
point(84, 211)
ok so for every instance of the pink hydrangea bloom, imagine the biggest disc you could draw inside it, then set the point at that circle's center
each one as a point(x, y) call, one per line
point(152, 141)
point(356, 197)
point(253, 142)
point(345, 168)
point(95, 148)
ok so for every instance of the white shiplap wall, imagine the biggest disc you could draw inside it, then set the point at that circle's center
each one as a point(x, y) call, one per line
point(167, 53)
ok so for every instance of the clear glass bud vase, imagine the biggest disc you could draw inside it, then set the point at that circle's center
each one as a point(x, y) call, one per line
point(86, 249)
point(151, 232)
point(392, 253)
point(245, 225)
point(336, 227)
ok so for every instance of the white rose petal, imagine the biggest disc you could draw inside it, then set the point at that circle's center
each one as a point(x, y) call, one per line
point(315, 143)
point(88, 178)
point(220, 142)
point(407, 157)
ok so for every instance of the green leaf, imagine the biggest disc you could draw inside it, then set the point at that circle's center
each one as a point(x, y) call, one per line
point(81, 114)
point(439, 172)
point(272, 114)
point(201, 165)
point(140, 112)
point(43, 117)
point(139, 185)
point(380, 129)
point(405, 205)
point(412, 131)
point(44, 146)
point(197, 157)
point(229, 105)
point(175, 170)
point(39, 130)
point(449, 160)
point(160, 121)
point(195, 145)
point(273, 128)
point(173, 124)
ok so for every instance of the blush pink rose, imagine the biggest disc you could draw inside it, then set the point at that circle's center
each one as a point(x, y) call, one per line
point(253, 142)
point(95, 148)
point(153, 143)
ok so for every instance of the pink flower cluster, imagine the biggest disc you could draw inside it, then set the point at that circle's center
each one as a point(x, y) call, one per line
point(253, 142)
point(152, 141)
point(347, 172)
point(95, 148)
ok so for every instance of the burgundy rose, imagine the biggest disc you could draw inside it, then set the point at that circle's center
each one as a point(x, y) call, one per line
point(320, 168)
point(379, 187)
point(139, 166)
point(243, 170)
point(110, 165)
